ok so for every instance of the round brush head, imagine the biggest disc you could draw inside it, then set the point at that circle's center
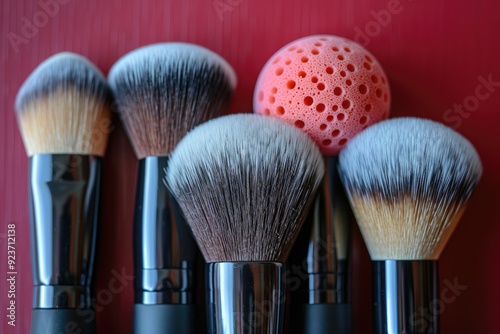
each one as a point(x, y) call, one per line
point(244, 183)
point(164, 90)
point(328, 86)
point(64, 107)
point(408, 181)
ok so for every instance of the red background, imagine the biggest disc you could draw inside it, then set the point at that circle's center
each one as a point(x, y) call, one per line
point(433, 53)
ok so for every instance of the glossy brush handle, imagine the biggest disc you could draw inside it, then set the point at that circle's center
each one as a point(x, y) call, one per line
point(322, 252)
point(165, 252)
point(404, 293)
point(329, 240)
point(64, 206)
point(165, 256)
point(245, 297)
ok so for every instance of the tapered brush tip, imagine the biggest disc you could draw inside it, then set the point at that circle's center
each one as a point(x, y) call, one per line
point(244, 183)
point(164, 90)
point(408, 181)
point(64, 107)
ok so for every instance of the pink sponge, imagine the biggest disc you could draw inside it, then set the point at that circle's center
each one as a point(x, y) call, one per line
point(330, 87)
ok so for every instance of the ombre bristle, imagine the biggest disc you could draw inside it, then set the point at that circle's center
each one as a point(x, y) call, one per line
point(64, 107)
point(408, 181)
point(163, 90)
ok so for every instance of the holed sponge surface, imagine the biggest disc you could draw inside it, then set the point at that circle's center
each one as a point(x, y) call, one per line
point(330, 87)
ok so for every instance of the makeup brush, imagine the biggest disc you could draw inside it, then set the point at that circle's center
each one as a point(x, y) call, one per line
point(408, 181)
point(162, 91)
point(331, 88)
point(63, 111)
point(245, 183)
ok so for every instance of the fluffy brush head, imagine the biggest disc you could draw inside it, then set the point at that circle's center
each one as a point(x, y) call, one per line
point(164, 90)
point(244, 183)
point(63, 107)
point(408, 181)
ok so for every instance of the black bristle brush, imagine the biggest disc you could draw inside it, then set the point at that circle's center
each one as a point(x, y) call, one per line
point(162, 91)
point(244, 183)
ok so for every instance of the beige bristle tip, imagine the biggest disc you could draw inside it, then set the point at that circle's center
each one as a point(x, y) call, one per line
point(401, 231)
point(408, 181)
point(63, 124)
point(64, 107)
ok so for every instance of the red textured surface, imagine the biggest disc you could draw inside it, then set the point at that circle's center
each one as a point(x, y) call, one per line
point(436, 54)
point(328, 86)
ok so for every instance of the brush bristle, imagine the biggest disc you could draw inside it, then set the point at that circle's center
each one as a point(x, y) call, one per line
point(244, 183)
point(408, 181)
point(64, 107)
point(164, 90)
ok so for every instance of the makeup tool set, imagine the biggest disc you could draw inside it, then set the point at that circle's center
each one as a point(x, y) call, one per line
point(247, 196)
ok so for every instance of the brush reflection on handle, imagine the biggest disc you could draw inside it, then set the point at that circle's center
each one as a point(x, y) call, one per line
point(323, 251)
point(404, 293)
point(164, 257)
point(245, 297)
point(64, 206)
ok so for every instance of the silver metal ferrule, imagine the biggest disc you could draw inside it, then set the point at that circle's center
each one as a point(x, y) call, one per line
point(404, 293)
point(245, 297)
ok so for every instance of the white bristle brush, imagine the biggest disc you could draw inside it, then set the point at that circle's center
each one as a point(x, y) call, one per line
point(244, 183)
point(408, 181)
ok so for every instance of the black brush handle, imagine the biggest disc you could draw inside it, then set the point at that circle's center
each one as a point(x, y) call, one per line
point(327, 257)
point(60, 321)
point(165, 319)
point(327, 319)
point(64, 206)
point(405, 293)
point(320, 257)
point(165, 253)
